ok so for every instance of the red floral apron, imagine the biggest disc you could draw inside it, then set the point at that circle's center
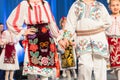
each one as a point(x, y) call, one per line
point(41, 47)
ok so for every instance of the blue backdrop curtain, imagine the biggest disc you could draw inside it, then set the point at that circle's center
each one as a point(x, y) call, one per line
point(6, 6)
point(59, 8)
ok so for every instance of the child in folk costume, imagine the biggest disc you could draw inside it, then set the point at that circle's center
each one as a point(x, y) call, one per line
point(1, 30)
point(66, 70)
point(8, 58)
point(41, 56)
point(113, 34)
point(89, 19)
point(1, 48)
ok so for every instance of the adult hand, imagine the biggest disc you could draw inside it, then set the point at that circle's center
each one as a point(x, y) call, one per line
point(30, 31)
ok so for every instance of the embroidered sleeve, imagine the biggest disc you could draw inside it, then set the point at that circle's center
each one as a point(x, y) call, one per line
point(53, 27)
point(16, 20)
point(105, 17)
point(71, 22)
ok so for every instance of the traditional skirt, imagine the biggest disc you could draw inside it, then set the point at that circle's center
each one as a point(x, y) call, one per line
point(41, 47)
point(9, 54)
point(8, 58)
point(41, 51)
point(68, 58)
point(114, 46)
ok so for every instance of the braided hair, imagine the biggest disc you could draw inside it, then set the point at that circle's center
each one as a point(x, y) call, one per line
point(30, 4)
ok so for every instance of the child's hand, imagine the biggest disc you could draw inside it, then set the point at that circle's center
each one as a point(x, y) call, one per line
point(73, 43)
point(62, 44)
point(66, 42)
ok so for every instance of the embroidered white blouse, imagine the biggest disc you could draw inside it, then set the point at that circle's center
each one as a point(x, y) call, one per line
point(39, 14)
point(114, 29)
point(82, 16)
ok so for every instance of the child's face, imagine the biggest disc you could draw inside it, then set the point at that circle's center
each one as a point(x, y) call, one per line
point(115, 6)
point(1, 27)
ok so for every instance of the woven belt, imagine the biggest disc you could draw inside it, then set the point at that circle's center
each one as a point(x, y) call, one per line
point(114, 36)
point(89, 32)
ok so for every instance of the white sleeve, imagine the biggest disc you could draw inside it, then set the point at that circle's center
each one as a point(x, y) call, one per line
point(70, 26)
point(106, 17)
point(53, 26)
point(15, 20)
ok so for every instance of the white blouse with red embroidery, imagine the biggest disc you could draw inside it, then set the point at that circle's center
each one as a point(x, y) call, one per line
point(114, 29)
point(23, 14)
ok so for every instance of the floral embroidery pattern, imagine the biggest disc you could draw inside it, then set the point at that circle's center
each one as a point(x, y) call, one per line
point(33, 47)
point(67, 34)
point(34, 60)
point(44, 29)
point(94, 13)
point(10, 53)
point(44, 61)
point(52, 46)
point(68, 59)
point(114, 51)
point(88, 46)
point(41, 51)
point(79, 10)
point(44, 44)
